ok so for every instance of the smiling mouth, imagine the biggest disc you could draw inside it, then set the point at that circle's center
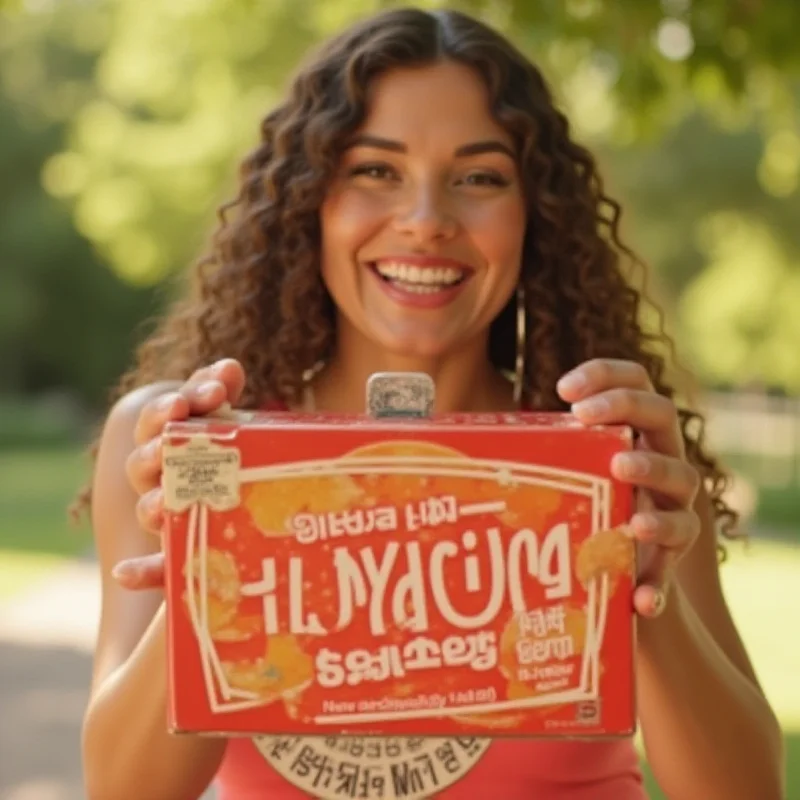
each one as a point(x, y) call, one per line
point(419, 280)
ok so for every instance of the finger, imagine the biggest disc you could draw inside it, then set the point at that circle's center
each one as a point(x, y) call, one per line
point(204, 397)
point(672, 478)
point(227, 372)
point(648, 412)
point(211, 387)
point(205, 391)
point(600, 374)
point(150, 511)
point(157, 413)
point(143, 466)
point(649, 601)
point(146, 572)
point(673, 530)
point(230, 373)
point(650, 594)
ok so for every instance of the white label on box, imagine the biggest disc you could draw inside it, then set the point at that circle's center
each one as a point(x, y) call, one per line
point(200, 471)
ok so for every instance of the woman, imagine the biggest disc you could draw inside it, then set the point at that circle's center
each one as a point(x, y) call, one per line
point(416, 203)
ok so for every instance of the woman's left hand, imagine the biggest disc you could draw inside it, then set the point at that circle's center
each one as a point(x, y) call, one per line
point(607, 391)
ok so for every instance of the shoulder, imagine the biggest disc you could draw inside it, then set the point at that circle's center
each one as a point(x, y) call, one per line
point(117, 437)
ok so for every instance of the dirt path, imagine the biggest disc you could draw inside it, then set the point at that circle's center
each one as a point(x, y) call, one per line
point(46, 640)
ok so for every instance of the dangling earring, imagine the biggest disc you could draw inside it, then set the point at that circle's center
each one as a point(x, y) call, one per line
point(519, 366)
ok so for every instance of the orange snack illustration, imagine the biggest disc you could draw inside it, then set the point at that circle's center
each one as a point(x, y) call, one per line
point(272, 505)
point(453, 576)
point(284, 671)
point(609, 552)
point(221, 587)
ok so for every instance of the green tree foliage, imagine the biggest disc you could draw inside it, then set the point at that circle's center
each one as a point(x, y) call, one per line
point(150, 106)
point(66, 320)
point(712, 212)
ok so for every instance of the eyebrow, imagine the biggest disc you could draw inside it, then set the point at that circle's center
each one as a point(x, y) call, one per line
point(472, 149)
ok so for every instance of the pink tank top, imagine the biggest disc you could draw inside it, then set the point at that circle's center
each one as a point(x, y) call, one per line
point(293, 768)
point(297, 768)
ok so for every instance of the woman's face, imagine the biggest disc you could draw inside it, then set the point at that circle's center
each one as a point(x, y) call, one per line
point(423, 225)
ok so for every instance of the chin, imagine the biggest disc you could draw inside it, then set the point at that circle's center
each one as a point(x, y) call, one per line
point(417, 348)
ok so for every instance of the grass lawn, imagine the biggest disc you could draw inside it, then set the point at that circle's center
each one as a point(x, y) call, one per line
point(780, 508)
point(761, 580)
point(35, 531)
point(762, 586)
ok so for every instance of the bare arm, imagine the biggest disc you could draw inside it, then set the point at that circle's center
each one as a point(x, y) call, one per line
point(127, 751)
point(708, 730)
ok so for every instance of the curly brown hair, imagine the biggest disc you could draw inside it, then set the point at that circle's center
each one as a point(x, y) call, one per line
point(258, 296)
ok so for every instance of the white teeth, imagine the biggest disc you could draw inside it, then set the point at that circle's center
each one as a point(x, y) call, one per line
point(418, 288)
point(421, 277)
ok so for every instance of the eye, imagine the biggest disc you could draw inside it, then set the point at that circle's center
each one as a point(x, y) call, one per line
point(374, 170)
point(488, 178)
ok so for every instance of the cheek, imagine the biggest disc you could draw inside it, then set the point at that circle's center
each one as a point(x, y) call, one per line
point(499, 233)
point(498, 230)
point(348, 220)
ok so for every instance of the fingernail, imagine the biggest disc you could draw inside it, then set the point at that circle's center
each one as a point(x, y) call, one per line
point(165, 402)
point(572, 382)
point(659, 602)
point(593, 407)
point(124, 570)
point(206, 389)
point(150, 501)
point(648, 523)
point(632, 465)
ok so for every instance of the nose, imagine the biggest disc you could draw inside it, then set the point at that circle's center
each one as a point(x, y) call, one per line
point(425, 216)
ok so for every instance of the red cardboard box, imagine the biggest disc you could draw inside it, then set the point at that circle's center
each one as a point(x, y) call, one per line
point(459, 575)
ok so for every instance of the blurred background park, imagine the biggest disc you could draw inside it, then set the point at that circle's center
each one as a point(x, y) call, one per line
point(121, 123)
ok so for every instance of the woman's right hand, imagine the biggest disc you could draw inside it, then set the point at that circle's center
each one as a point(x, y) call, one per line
point(204, 392)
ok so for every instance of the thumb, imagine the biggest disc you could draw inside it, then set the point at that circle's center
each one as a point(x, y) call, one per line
point(145, 572)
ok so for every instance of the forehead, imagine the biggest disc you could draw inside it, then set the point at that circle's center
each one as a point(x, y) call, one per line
point(443, 101)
